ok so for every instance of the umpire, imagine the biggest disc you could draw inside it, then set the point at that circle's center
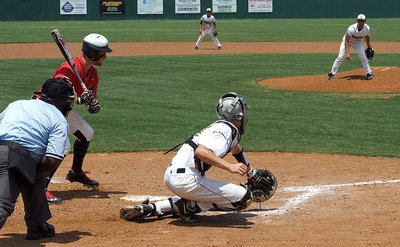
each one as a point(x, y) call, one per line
point(33, 140)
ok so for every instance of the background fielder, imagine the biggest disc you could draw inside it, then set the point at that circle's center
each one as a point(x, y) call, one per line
point(208, 26)
point(354, 38)
point(185, 176)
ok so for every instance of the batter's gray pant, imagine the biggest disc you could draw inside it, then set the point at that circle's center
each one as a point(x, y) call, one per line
point(36, 207)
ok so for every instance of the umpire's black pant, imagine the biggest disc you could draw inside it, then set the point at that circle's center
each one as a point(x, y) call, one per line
point(36, 207)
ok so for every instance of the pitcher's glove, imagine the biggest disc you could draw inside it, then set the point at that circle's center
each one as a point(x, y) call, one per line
point(93, 106)
point(215, 33)
point(262, 184)
point(369, 52)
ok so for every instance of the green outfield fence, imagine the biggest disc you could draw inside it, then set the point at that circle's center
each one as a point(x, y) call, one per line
point(47, 10)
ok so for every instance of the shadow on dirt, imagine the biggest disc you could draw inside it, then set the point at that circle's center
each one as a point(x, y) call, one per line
point(224, 220)
point(17, 239)
point(353, 77)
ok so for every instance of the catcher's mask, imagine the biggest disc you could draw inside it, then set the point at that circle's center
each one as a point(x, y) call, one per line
point(60, 89)
point(93, 44)
point(231, 106)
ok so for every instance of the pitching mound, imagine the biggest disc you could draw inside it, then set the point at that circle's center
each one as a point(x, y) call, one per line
point(385, 80)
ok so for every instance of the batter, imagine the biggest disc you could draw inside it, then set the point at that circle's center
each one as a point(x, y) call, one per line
point(94, 52)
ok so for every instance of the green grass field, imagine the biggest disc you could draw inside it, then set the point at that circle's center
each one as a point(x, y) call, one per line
point(187, 30)
point(155, 102)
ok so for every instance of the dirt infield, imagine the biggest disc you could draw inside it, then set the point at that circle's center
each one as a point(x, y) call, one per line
point(334, 211)
point(50, 50)
point(385, 80)
point(322, 200)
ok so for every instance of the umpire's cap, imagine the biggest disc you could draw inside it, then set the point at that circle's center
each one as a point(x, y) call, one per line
point(58, 88)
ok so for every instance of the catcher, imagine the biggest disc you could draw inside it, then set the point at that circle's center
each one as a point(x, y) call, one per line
point(185, 176)
point(208, 26)
point(354, 38)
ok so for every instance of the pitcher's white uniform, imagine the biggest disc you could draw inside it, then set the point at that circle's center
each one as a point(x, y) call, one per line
point(185, 176)
point(207, 23)
point(355, 41)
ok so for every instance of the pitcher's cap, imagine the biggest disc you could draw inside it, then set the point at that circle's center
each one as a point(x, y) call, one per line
point(361, 17)
point(208, 10)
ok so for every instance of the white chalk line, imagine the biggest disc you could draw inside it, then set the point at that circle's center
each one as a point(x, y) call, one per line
point(58, 181)
point(291, 204)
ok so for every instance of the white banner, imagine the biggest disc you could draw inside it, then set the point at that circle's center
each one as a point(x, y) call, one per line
point(224, 6)
point(187, 6)
point(260, 6)
point(73, 7)
point(148, 7)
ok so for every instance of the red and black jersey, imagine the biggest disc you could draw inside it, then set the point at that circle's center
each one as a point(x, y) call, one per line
point(90, 78)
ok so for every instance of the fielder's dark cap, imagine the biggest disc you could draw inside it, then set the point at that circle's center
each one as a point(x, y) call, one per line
point(58, 88)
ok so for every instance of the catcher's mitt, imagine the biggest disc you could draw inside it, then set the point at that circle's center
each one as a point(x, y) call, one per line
point(262, 184)
point(369, 52)
point(215, 33)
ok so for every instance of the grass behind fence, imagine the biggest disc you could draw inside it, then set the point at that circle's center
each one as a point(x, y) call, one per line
point(187, 30)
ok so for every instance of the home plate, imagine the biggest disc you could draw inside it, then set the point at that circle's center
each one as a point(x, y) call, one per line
point(143, 198)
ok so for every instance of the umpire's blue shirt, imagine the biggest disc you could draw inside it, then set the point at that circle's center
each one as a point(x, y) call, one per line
point(38, 126)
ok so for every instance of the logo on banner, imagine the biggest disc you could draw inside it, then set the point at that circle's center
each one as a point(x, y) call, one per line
point(67, 7)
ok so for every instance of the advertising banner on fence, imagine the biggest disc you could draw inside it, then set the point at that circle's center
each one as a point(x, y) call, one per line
point(224, 6)
point(73, 7)
point(112, 7)
point(150, 7)
point(260, 6)
point(187, 6)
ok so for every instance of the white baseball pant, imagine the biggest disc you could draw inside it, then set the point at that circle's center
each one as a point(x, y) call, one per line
point(76, 122)
point(209, 32)
point(359, 47)
point(207, 193)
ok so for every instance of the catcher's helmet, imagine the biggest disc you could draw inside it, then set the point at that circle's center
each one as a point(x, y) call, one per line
point(93, 44)
point(231, 106)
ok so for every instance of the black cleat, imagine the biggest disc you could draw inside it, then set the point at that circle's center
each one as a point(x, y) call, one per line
point(45, 230)
point(82, 178)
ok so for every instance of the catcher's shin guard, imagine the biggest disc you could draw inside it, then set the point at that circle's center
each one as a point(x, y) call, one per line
point(187, 212)
point(245, 201)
